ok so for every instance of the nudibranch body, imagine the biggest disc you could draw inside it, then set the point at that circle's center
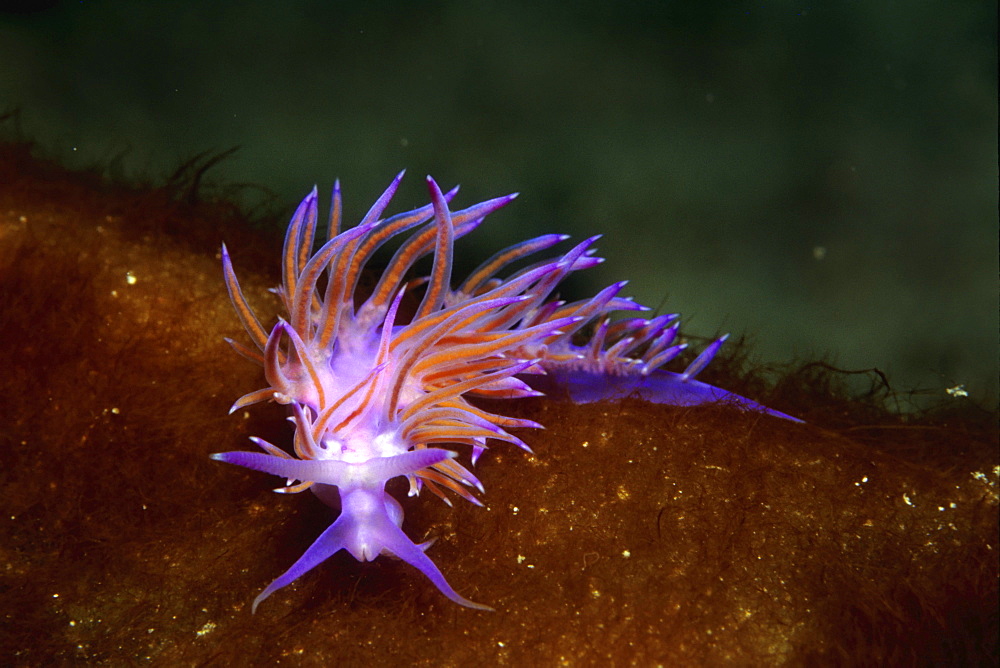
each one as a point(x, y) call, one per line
point(373, 397)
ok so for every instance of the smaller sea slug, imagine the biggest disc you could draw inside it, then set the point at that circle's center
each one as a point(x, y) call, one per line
point(374, 395)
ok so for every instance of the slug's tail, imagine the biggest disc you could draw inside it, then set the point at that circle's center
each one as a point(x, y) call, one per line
point(659, 387)
point(626, 358)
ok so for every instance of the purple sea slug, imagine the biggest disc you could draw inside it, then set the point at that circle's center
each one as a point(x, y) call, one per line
point(374, 395)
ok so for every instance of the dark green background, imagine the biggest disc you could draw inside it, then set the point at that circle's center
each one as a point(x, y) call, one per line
point(721, 148)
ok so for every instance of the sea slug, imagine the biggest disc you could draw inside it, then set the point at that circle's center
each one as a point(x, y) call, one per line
point(373, 394)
